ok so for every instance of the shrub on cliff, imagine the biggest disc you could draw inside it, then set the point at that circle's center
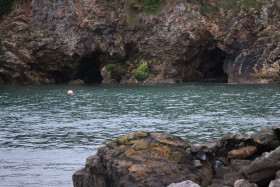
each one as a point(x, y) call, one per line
point(117, 71)
point(142, 72)
point(5, 7)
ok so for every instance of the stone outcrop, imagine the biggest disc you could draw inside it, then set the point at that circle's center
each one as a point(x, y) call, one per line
point(143, 159)
point(152, 159)
point(184, 184)
point(105, 41)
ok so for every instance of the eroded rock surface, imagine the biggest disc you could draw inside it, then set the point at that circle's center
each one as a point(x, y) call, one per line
point(143, 159)
point(96, 41)
point(151, 159)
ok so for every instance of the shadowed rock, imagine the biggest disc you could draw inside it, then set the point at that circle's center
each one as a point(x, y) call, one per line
point(267, 138)
point(264, 168)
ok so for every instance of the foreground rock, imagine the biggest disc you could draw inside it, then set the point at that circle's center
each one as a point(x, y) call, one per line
point(151, 159)
point(143, 159)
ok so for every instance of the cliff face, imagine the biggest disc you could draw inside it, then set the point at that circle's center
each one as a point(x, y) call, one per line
point(59, 41)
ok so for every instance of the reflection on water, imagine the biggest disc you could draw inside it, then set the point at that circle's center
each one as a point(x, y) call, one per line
point(46, 135)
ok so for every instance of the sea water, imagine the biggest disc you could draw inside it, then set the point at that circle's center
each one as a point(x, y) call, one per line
point(47, 134)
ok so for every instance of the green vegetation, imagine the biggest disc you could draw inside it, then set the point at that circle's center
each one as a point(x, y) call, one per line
point(144, 5)
point(5, 7)
point(92, 17)
point(134, 7)
point(117, 71)
point(142, 72)
point(213, 7)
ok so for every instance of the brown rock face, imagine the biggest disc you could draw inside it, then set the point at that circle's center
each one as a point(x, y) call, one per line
point(58, 41)
point(264, 168)
point(242, 152)
point(143, 159)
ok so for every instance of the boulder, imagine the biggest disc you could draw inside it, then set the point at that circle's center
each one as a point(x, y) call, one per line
point(244, 183)
point(267, 138)
point(143, 159)
point(242, 152)
point(264, 168)
point(153, 159)
point(274, 183)
point(187, 183)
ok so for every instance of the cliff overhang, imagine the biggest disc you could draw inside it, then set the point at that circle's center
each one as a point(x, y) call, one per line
point(46, 42)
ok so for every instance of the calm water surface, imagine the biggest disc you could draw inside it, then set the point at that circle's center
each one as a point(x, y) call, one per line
point(46, 135)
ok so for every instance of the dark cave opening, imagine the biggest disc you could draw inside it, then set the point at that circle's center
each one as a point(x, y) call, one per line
point(61, 76)
point(89, 69)
point(212, 66)
point(206, 66)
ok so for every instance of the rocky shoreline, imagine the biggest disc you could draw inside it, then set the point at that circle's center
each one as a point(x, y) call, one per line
point(154, 159)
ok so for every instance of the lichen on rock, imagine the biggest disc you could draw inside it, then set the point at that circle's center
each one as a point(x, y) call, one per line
point(154, 159)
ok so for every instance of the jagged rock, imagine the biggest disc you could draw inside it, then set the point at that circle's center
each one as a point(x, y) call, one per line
point(274, 183)
point(242, 152)
point(244, 183)
point(222, 146)
point(267, 138)
point(143, 159)
point(184, 184)
point(152, 159)
point(277, 175)
point(263, 168)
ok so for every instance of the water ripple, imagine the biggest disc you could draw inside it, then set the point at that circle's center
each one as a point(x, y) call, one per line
point(45, 134)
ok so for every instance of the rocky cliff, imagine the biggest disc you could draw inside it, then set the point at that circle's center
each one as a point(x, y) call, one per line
point(115, 41)
point(152, 159)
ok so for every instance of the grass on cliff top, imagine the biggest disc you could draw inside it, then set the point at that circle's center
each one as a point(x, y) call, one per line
point(6, 6)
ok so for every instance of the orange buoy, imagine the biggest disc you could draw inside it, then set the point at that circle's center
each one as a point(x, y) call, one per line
point(70, 92)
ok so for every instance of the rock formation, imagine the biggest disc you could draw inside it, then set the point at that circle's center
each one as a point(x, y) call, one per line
point(98, 41)
point(152, 159)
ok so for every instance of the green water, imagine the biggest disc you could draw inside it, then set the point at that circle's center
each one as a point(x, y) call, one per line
point(46, 134)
